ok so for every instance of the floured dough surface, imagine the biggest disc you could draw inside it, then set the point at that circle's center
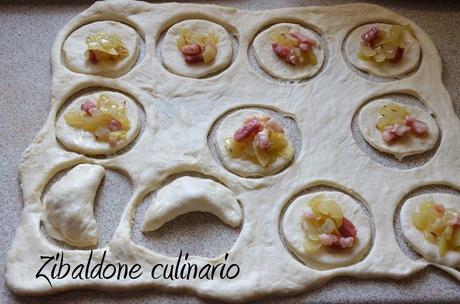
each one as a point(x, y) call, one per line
point(69, 206)
point(243, 166)
point(409, 144)
point(276, 66)
point(74, 48)
point(408, 62)
point(85, 142)
point(174, 60)
point(189, 194)
point(416, 238)
point(327, 257)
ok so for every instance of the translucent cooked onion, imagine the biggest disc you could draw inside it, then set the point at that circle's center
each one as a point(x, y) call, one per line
point(391, 113)
point(108, 43)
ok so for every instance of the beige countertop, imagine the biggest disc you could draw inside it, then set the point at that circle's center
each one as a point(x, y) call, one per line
point(27, 32)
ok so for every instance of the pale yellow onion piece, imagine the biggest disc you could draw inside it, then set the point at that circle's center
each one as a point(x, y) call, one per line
point(261, 155)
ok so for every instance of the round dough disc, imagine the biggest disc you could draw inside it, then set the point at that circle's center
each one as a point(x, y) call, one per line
point(174, 60)
point(277, 67)
point(327, 257)
point(244, 167)
point(416, 238)
point(85, 142)
point(408, 145)
point(408, 62)
point(74, 49)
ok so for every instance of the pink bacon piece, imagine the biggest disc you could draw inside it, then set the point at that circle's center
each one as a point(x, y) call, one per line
point(193, 58)
point(303, 39)
point(114, 125)
point(347, 229)
point(417, 126)
point(247, 130)
point(345, 242)
point(263, 139)
point(191, 49)
point(274, 126)
point(328, 239)
point(283, 52)
point(398, 55)
point(370, 36)
point(394, 132)
point(88, 107)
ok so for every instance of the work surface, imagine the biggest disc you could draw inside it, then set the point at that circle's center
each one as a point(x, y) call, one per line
point(27, 34)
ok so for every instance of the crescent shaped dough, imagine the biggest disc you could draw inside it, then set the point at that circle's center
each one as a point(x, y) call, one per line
point(85, 142)
point(327, 258)
point(189, 194)
point(74, 48)
point(244, 167)
point(408, 145)
point(408, 62)
point(277, 67)
point(69, 206)
point(174, 60)
point(415, 237)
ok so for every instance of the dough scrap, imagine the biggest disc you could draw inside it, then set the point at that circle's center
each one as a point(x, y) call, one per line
point(174, 60)
point(408, 145)
point(189, 194)
point(74, 48)
point(69, 206)
point(277, 67)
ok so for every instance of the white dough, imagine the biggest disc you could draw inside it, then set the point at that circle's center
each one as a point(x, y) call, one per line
point(85, 142)
point(69, 206)
point(174, 60)
point(409, 144)
point(408, 62)
point(241, 166)
point(189, 194)
point(74, 48)
point(276, 66)
point(326, 257)
point(416, 238)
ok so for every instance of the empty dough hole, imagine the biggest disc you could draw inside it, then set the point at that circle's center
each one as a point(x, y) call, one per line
point(368, 75)
point(386, 159)
point(286, 120)
point(99, 152)
point(111, 198)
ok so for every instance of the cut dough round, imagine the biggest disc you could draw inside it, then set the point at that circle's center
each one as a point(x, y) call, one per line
point(174, 60)
point(408, 62)
point(327, 257)
point(85, 142)
point(74, 48)
point(416, 237)
point(240, 166)
point(277, 67)
point(407, 145)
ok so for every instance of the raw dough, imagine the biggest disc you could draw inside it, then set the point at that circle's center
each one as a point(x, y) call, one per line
point(74, 48)
point(189, 194)
point(240, 166)
point(277, 67)
point(174, 60)
point(405, 146)
point(326, 257)
point(416, 238)
point(85, 142)
point(69, 206)
point(408, 62)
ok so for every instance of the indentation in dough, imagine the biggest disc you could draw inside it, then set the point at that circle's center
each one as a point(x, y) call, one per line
point(416, 238)
point(85, 142)
point(174, 60)
point(69, 206)
point(189, 194)
point(277, 67)
point(224, 128)
point(326, 258)
point(409, 144)
point(408, 63)
point(74, 48)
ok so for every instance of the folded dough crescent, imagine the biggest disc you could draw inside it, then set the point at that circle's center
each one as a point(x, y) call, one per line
point(69, 206)
point(191, 194)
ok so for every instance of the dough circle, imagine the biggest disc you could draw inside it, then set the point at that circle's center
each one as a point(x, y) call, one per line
point(277, 67)
point(409, 61)
point(408, 145)
point(327, 258)
point(174, 60)
point(74, 48)
point(240, 166)
point(415, 237)
point(85, 142)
